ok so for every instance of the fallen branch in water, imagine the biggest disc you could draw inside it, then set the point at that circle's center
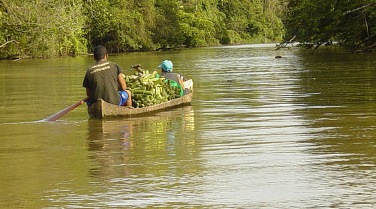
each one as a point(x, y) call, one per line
point(284, 44)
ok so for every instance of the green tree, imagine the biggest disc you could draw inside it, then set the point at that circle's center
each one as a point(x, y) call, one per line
point(165, 31)
point(254, 21)
point(120, 25)
point(200, 23)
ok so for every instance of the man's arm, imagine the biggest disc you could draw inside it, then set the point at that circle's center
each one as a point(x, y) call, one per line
point(122, 84)
point(181, 80)
point(123, 87)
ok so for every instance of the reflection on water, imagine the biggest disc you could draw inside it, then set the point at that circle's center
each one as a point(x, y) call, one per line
point(133, 155)
point(296, 132)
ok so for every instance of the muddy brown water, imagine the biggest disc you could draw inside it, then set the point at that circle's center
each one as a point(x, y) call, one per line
point(295, 132)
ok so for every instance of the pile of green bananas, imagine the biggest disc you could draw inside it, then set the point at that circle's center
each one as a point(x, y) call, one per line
point(149, 89)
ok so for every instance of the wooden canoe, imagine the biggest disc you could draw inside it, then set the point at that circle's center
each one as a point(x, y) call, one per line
point(102, 109)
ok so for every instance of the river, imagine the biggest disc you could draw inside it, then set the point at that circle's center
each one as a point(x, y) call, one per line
point(294, 132)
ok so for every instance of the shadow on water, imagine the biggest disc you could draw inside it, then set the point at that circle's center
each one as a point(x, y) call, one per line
point(346, 90)
point(340, 102)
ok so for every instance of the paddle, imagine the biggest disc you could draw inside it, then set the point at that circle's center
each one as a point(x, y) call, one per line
point(59, 114)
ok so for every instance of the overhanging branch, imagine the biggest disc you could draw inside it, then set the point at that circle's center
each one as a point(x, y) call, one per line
point(359, 8)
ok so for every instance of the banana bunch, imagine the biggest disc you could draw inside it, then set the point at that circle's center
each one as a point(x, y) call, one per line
point(149, 89)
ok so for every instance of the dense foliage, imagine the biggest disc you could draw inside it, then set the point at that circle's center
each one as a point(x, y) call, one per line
point(50, 28)
point(41, 28)
point(349, 23)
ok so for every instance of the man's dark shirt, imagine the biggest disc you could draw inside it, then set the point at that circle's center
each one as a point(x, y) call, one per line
point(102, 81)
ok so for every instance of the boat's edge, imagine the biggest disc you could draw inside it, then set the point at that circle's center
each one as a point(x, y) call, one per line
point(102, 109)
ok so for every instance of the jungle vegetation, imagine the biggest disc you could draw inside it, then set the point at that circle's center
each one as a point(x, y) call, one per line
point(54, 28)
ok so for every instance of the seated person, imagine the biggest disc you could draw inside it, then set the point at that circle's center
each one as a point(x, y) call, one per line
point(104, 80)
point(166, 68)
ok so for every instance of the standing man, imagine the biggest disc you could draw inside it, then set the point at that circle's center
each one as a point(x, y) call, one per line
point(104, 80)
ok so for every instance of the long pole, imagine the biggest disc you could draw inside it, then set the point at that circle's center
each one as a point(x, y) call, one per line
point(61, 113)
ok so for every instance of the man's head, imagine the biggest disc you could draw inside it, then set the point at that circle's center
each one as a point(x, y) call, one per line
point(166, 66)
point(100, 52)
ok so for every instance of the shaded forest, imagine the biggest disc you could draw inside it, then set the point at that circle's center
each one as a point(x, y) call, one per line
point(350, 24)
